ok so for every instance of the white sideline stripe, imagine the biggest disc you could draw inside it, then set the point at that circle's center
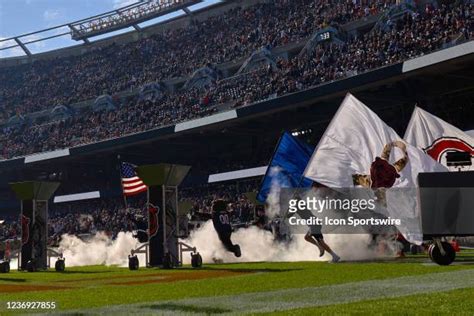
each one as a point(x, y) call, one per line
point(220, 117)
point(47, 155)
point(293, 298)
point(77, 197)
point(437, 57)
point(238, 174)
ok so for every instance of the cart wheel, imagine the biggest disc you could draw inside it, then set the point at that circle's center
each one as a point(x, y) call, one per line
point(437, 257)
point(60, 265)
point(196, 260)
point(31, 266)
point(5, 267)
point(167, 262)
point(414, 249)
point(133, 263)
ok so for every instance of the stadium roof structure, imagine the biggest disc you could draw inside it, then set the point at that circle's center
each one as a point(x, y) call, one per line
point(129, 16)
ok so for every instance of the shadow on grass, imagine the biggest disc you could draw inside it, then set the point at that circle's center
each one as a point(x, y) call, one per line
point(241, 270)
point(53, 271)
point(13, 280)
point(188, 309)
point(81, 272)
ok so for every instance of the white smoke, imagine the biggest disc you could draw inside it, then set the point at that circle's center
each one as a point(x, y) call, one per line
point(273, 198)
point(14, 264)
point(360, 247)
point(98, 250)
point(256, 245)
point(259, 245)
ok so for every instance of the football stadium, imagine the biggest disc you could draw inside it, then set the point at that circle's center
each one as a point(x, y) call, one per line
point(196, 157)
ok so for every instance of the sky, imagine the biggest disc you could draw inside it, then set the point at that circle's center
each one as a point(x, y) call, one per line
point(25, 16)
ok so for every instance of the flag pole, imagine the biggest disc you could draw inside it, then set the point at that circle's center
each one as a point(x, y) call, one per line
point(121, 182)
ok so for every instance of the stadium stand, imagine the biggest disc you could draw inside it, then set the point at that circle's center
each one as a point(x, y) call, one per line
point(173, 54)
point(412, 34)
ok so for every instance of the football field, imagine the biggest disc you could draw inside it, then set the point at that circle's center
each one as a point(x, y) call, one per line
point(410, 285)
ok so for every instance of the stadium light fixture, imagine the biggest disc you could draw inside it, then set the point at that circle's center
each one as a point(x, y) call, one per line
point(128, 16)
point(302, 132)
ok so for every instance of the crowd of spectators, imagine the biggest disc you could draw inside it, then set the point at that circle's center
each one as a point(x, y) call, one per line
point(278, 23)
point(411, 36)
point(171, 54)
point(109, 215)
point(202, 197)
point(9, 228)
point(133, 117)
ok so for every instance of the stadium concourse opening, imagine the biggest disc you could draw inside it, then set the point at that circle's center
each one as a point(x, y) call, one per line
point(178, 142)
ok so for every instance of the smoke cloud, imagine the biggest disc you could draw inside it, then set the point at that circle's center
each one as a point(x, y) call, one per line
point(259, 245)
point(98, 250)
point(256, 245)
point(14, 264)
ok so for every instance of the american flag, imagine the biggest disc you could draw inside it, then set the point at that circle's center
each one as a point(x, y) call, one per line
point(131, 183)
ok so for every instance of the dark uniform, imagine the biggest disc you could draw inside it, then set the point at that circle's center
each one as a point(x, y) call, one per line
point(221, 221)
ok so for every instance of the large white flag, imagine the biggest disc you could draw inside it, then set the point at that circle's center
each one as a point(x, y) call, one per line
point(437, 137)
point(359, 149)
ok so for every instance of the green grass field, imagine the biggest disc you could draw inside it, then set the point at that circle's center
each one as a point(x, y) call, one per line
point(405, 286)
